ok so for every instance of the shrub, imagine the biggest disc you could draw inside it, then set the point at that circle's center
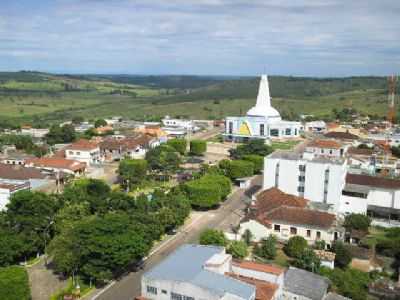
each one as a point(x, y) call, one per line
point(133, 171)
point(257, 160)
point(357, 221)
point(179, 145)
point(308, 260)
point(14, 283)
point(240, 168)
point(343, 255)
point(198, 147)
point(295, 246)
point(319, 245)
point(238, 249)
point(213, 237)
point(247, 236)
point(267, 249)
point(222, 181)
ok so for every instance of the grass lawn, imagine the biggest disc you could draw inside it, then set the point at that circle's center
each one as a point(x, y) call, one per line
point(14, 283)
point(149, 186)
point(288, 145)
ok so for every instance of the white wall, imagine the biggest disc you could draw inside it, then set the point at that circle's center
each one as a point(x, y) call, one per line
point(356, 205)
point(4, 198)
point(89, 157)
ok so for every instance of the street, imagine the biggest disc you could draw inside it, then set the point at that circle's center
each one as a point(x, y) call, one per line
point(230, 212)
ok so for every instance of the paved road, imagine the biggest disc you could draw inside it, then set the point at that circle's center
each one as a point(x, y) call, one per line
point(229, 213)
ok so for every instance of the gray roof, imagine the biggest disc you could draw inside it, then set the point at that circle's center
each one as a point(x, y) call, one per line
point(334, 296)
point(304, 283)
point(186, 265)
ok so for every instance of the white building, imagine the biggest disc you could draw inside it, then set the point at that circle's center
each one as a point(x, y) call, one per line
point(178, 126)
point(316, 178)
point(208, 273)
point(9, 187)
point(84, 151)
point(262, 120)
point(315, 126)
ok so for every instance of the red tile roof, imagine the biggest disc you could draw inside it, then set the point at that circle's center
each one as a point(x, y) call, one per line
point(266, 268)
point(379, 182)
point(14, 186)
point(84, 145)
point(360, 151)
point(57, 163)
point(18, 172)
point(341, 135)
point(298, 216)
point(264, 290)
point(330, 144)
point(273, 198)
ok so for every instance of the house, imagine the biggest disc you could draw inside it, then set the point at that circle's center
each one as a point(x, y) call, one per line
point(12, 156)
point(57, 164)
point(275, 212)
point(35, 177)
point(84, 151)
point(330, 148)
point(345, 136)
point(303, 285)
point(327, 258)
point(9, 187)
point(315, 126)
point(113, 149)
point(185, 125)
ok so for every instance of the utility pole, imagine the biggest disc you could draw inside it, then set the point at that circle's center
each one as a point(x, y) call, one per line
point(391, 97)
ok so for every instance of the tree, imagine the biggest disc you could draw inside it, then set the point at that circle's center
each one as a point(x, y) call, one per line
point(163, 158)
point(238, 249)
point(101, 246)
point(319, 245)
point(239, 169)
point(77, 120)
point(343, 255)
point(132, 171)
point(357, 221)
point(14, 283)
point(247, 236)
point(198, 147)
point(10, 247)
point(100, 123)
point(254, 146)
point(213, 237)
point(30, 215)
point(59, 135)
point(179, 145)
point(257, 160)
point(295, 246)
point(308, 260)
point(267, 249)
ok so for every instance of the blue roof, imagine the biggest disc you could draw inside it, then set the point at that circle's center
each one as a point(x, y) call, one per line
point(186, 265)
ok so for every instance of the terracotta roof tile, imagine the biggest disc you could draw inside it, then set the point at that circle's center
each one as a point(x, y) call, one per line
point(19, 172)
point(266, 268)
point(360, 151)
point(373, 181)
point(330, 144)
point(83, 145)
point(273, 198)
point(57, 163)
point(341, 135)
point(264, 290)
point(298, 216)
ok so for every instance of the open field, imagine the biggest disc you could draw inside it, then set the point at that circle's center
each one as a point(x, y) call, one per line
point(29, 97)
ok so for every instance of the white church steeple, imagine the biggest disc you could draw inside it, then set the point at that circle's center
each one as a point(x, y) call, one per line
point(263, 106)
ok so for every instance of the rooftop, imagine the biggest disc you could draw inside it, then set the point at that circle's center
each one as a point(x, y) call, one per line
point(186, 264)
point(329, 144)
point(18, 172)
point(341, 135)
point(57, 163)
point(305, 283)
point(292, 155)
point(14, 185)
point(272, 198)
point(83, 145)
point(271, 269)
point(373, 181)
point(264, 290)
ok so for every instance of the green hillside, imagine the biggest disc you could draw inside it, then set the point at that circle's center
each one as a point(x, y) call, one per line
point(41, 98)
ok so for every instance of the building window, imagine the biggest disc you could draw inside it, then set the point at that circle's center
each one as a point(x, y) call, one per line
point(308, 232)
point(78, 153)
point(274, 132)
point(330, 152)
point(318, 235)
point(175, 296)
point(262, 132)
point(302, 168)
point(293, 230)
point(302, 178)
point(164, 291)
point(277, 228)
point(71, 152)
point(295, 131)
point(300, 189)
point(288, 131)
point(152, 290)
point(230, 127)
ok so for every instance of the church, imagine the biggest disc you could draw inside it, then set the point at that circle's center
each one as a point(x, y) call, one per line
point(262, 121)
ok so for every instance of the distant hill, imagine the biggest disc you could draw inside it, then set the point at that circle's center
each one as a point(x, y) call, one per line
point(28, 96)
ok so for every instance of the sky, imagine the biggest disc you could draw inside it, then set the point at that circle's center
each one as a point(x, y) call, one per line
point(201, 37)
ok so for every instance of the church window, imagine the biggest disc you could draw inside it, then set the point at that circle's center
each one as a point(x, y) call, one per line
point(262, 129)
point(274, 132)
point(295, 131)
point(288, 131)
